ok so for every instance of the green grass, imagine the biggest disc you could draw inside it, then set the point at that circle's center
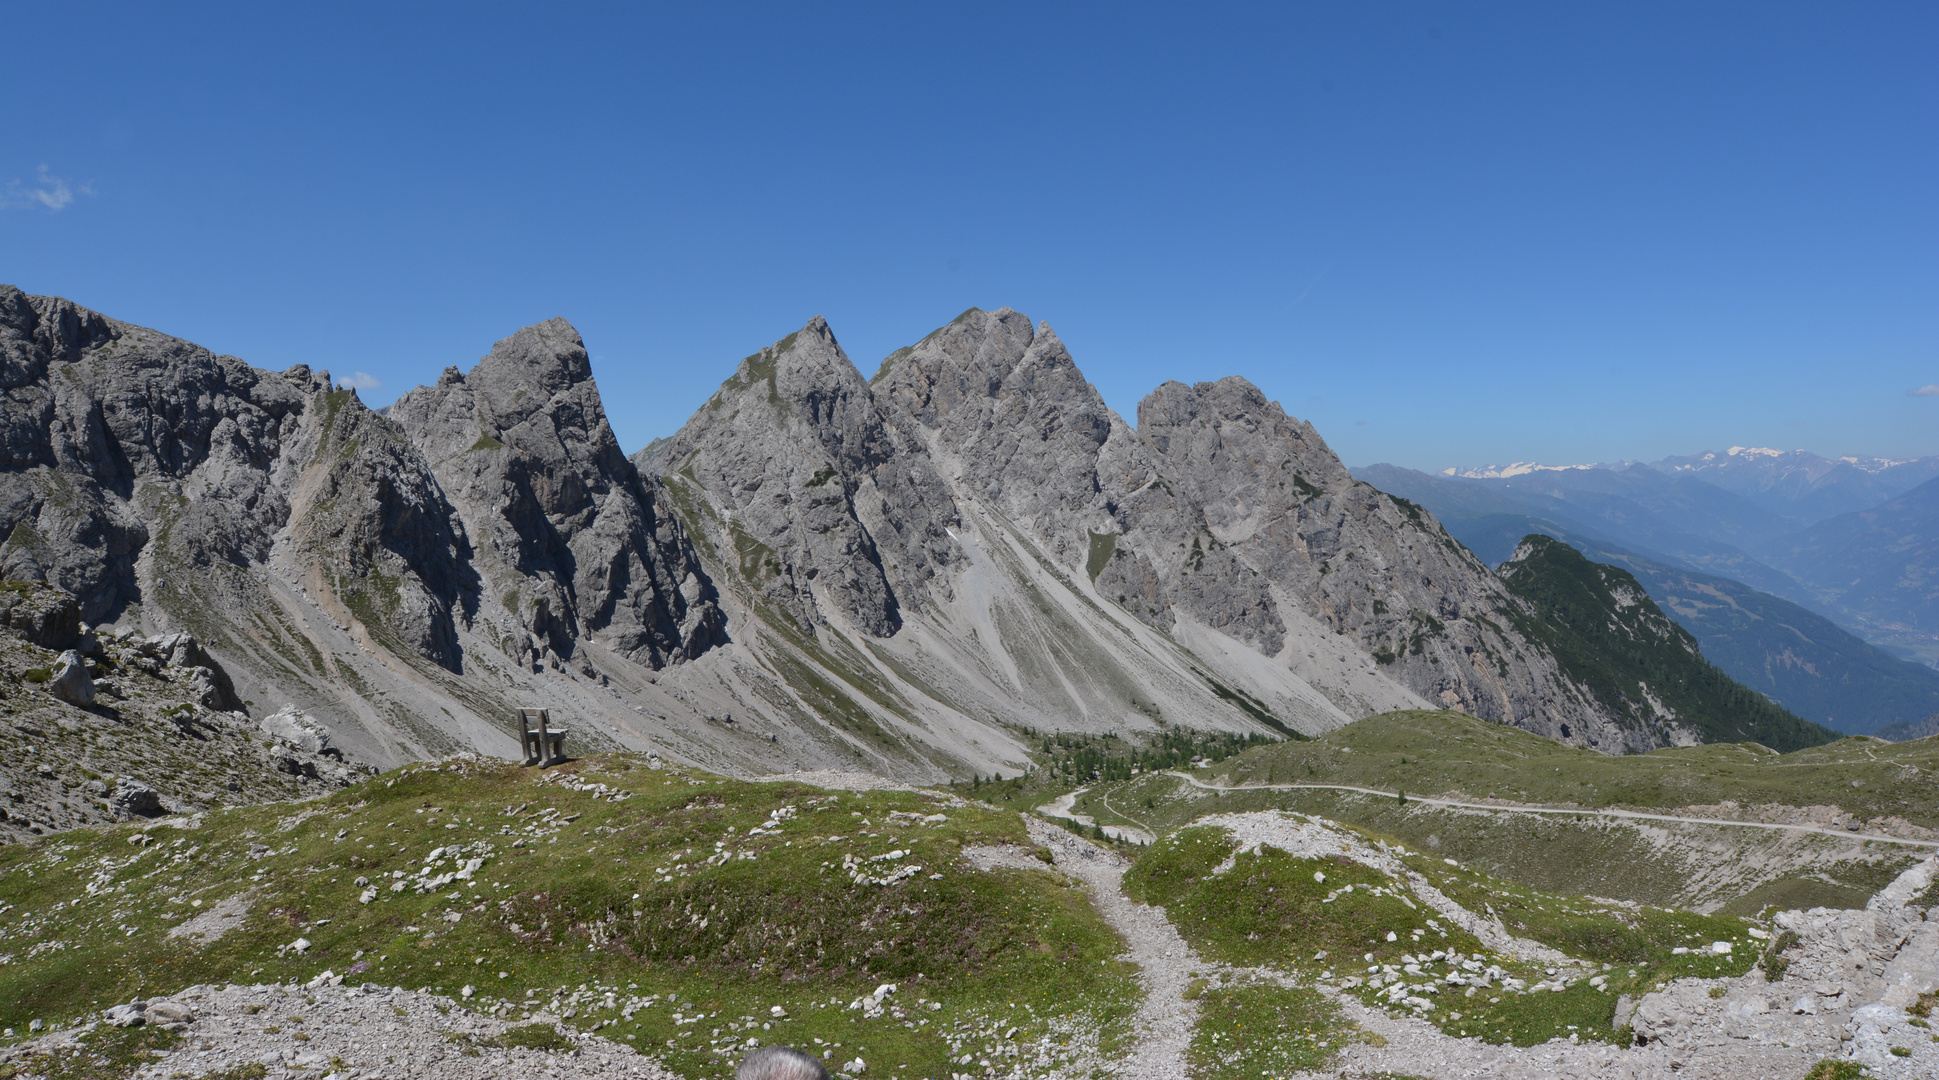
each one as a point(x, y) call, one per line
point(1655, 863)
point(692, 894)
point(106, 1053)
point(1270, 909)
point(1456, 755)
point(1262, 1030)
point(1620, 935)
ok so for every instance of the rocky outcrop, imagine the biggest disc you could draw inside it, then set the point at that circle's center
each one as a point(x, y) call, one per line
point(42, 614)
point(291, 726)
point(147, 710)
point(1222, 509)
point(70, 681)
point(567, 538)
point(816, 497)
point(401, 585)
point(160, 468)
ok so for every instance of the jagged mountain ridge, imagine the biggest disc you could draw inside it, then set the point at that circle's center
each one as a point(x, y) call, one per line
point(901, 574)
point(1224, 527)
point(308, 542)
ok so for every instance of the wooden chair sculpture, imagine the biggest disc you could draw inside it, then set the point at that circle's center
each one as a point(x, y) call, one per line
point(542, 746)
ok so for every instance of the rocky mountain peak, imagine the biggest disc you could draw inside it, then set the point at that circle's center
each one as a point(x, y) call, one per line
point(1232, 416)
point(949, 372)
point(523, 372)
point(565, 531)
point(813, 480)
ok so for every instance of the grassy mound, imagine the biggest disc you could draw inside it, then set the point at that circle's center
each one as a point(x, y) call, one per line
point(1454, 754)
point(680, 912)
point(1249, 1031)
point(1375, 935)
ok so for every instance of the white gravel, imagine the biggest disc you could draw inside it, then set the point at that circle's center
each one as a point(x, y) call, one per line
point(368, 1033)
point(1165, 1019)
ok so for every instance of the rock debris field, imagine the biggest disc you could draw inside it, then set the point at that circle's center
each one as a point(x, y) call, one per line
point(352, 1033)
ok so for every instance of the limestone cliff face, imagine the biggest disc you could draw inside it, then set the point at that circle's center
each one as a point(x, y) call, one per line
point(811, 494)
point(168, 467)
point(1253, 510)
point(1007, 414)
point(566, 537)
point(312, 544)
point(1222, 509)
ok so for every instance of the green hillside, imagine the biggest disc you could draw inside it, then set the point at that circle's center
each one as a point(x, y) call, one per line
point(1610, 637)
point(1333, 920)
point(676, 891)
point(1856, 781)
point(1460, 756)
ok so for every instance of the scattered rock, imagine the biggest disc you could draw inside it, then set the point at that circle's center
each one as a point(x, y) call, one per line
point(70, 680)
point(134, 799)
point(43, 614)
point(296, 728)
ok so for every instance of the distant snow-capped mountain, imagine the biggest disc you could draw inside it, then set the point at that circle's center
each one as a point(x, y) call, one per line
point(1802, 486)
point(1519, 468)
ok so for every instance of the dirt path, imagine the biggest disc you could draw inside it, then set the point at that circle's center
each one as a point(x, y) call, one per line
point(1164, 1021)
point(1633, 815)
point(1065, 806)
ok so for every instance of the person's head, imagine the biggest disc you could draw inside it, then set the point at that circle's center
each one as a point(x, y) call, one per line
point(780, 1063)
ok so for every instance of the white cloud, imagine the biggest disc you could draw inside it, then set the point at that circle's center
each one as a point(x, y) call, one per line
point(362, 380)
point(1928, 390)
point(47, 191)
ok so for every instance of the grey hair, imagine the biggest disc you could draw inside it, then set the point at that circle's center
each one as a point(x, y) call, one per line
point(780, 1063)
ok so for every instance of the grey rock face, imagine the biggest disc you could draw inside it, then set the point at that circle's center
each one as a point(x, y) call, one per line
point(1006, 413)
point(133, 799)
point(46, 616)
point(568, 539)
point(309, 541)
point(1219, 507)
point(70, 680)
point(1248, 501)
point(814, 495)
point(292, 726)
point(119, 444)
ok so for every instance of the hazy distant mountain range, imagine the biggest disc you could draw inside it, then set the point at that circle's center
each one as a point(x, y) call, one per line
point(1779, 562)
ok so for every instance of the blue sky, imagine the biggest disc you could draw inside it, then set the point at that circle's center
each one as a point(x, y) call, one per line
point(1447, 234)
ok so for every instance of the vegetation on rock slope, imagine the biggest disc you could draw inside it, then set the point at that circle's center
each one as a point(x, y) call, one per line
point(1377, 935)
point(1610, 637)
point(674, 909)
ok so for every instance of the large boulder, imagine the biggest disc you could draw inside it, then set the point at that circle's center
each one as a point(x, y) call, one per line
point(134, 799)
point(297, 728)
point(44, 615)
point(208, 684)
point(70, 680)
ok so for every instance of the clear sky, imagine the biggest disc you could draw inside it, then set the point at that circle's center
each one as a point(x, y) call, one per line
point(1448, 234)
